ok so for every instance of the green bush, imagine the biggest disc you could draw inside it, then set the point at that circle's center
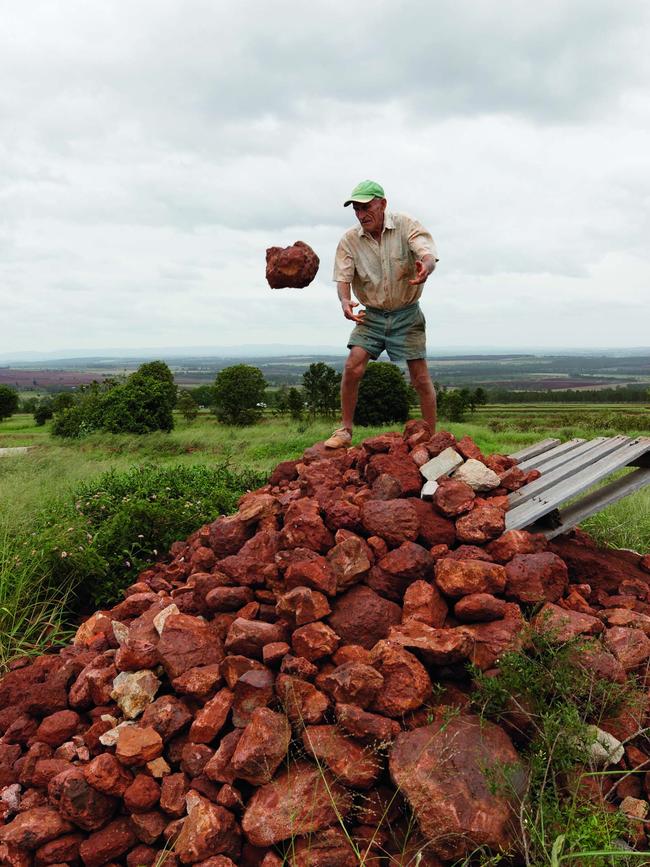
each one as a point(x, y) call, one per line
point(123, 521)
point(383, 395)
point(240, 392)
point(8, 401)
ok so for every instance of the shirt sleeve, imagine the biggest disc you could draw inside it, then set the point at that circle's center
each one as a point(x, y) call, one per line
point(343, 263)
point(420, 240)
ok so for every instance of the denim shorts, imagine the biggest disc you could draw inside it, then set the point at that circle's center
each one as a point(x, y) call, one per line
point(400, 332)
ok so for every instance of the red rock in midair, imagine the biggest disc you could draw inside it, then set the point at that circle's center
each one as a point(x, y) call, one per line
point(291, 267)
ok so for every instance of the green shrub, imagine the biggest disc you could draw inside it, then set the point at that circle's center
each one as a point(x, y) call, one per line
point(383, 395)
point(240, 391)
point(123, 521)
point(8, 401)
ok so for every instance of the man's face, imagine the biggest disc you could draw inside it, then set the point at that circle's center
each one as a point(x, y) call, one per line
point(371, 215)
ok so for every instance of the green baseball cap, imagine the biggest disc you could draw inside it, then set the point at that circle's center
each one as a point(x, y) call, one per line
point(365, 192)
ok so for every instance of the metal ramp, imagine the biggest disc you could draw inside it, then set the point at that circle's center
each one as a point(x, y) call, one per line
point(567, 470)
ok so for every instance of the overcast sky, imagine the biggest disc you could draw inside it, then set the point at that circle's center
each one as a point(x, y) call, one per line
point(151, 150)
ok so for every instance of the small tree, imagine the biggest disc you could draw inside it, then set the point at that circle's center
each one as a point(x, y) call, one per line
point(383, 395)
point(186, 405)
point(240, 391)
point(62, 400)
point(320, 385)
point(295, 404)
point(204, 395)
point(8, 401)
point(453, 405)
point(43, 412)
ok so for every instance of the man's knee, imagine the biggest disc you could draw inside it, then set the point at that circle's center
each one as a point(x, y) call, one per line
point(355, 367)
point(421, 379)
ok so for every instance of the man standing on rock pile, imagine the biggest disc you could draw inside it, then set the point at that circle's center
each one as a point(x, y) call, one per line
point(385, 261)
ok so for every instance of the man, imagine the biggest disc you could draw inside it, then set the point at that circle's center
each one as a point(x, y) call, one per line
point(385, 261)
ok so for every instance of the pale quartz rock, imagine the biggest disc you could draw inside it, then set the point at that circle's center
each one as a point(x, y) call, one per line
point(109, 738)
point(605, 748)
point(134, 691)
point(441, 465)
point(477, 476)
point(158, 768)
point(120, 631)
point(159, 619)
point(428, 490)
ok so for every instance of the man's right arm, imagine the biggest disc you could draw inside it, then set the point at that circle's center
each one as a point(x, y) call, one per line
point(347, 304)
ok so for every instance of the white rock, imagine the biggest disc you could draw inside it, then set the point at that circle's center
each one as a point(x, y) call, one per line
point(109, 738)
point(161, 617)
point(120, 631)
point(428, 490)
point(441, 465)
point(605, 748)
point(477, 476)
point(134, 691)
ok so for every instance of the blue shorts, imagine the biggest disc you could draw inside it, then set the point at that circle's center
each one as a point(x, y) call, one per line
point(402, 333)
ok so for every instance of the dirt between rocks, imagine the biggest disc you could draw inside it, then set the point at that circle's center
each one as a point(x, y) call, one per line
point(275, 676)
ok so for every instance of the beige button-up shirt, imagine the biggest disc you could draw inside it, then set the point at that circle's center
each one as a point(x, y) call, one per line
point(379, 273)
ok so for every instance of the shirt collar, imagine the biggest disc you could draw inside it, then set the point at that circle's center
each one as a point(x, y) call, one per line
point(389, 223)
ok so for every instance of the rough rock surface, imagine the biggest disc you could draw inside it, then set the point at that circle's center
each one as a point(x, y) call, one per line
point(294, 266)
point(251, 685)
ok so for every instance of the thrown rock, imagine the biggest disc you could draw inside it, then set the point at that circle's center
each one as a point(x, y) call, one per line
point(291, 267)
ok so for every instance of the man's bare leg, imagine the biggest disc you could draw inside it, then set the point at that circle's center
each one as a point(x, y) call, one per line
point(355, 367)
point(421, 382)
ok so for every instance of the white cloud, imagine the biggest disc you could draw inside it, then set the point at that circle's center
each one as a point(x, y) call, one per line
point(152, 151)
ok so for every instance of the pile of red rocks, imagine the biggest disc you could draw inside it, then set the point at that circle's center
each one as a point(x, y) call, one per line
point(291, 685)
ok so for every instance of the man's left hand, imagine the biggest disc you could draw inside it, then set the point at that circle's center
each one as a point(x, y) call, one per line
point(421, 273)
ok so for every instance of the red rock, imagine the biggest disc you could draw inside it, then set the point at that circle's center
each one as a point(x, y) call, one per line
point(433, 529)
point(479, 608)
point(341, 514)
point(235, 665)
point(303, 605)
point(79, 802)
point(194, 758)
point(514, 478)
point(228, 598)
point(142, 795)
point(329, 848)
point(352, 764)
point(469, 552)
point(314, 641)
point(186, 642)
point(94, 683)
point(303, 703)
point(168, 715)
point(468, 449)
point(400, 467)
point(448, 789)
point(294, 266)
point(361, 616)
point(109, 843)
point(274, 652)
point(462, 577)
point(58, 727)
point(63, 850)
point(136, 746)
point(136, 655)
point(453, 497)
point(262, 747)
point(400, 567)
point(107, 775)
point(499, 464)
point(420, 455)
point(315, 572)
point(304, 527)
point(481, 525)
point(211, 718)
point(227, 535)
point(492, 640)
point(43, 771)
point(395, 521)
point(435, 646)
point(32, 828)
point(384, 443)
point(300, 800)
point(536, 577)
point(417, 427)
point(219, 768)
point(377, 546)
point(253, 690)
point(299, 666)
point(598, 662)
point(560, 625)
point(406, 682)
point(350, 562)
point(208, 830)
point(368, 727)
point(603, 569)
point(141, 856)
point(439, 442)
point(248, 637)
point(423, 602)
point(630, 646)
point(353, 683)
point(172, 794)
point(285, 471)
